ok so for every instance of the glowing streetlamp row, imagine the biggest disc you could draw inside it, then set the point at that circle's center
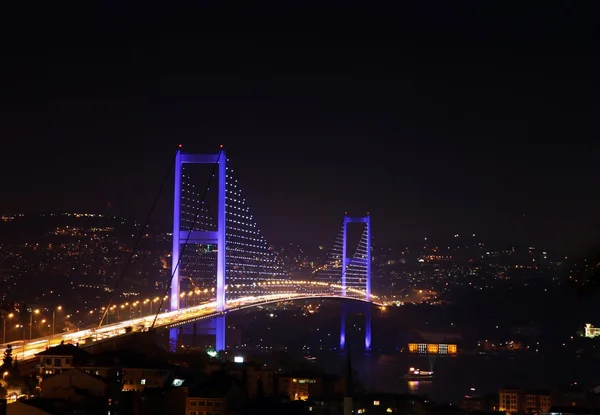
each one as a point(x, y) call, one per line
point(32, 312)
point(262, 284)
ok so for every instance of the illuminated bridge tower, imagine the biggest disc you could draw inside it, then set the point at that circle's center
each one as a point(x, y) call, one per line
point(356, 275)
point(193, 236)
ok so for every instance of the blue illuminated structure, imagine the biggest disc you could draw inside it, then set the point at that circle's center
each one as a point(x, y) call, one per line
point(191, 235)
point(356, 273)
point(359, 266)
point(242, 253)
point(343, 329)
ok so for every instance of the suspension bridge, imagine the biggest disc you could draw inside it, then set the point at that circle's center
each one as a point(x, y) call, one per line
point(217, 243)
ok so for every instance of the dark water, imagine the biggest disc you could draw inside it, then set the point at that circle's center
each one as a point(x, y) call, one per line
point(455, 376)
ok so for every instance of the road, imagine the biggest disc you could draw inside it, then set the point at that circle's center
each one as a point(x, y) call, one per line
point(27, 350)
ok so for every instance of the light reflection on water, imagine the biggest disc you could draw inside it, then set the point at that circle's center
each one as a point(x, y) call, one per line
point(416, 387)
point(464, 374)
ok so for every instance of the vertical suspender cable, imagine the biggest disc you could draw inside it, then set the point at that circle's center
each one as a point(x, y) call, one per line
point(137, 242)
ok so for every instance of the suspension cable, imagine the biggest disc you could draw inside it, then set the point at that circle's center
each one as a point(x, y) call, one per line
point(187, 239)
point(137, 241)
point(327, 255)
point(344, 271)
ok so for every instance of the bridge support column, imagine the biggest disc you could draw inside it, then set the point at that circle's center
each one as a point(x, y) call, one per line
point(343, 330)
point(215, 326)
point(179, 337)
point(220, 329)
point(173, 338)
point(194, 334)
point(368, 328)
point(364, 309)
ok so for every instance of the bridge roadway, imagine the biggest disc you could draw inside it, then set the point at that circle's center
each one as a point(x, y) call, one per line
point(25, 351)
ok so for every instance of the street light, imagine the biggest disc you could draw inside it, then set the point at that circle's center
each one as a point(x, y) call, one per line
point(9, 315)
point(36, 311)
point(59, 308)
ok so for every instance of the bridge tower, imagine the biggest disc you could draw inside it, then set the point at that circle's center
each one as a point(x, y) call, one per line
point(354, 270)
point(218, 238)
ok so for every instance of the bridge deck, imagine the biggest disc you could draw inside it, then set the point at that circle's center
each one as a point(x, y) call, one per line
point(27, 350)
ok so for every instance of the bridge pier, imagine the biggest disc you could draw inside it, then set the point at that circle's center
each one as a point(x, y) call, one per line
point(368, 328)
point(194, 334)
point(220, 324)
point(362, 309)
point(343, 329)
point(215, 326)
point(173, 339)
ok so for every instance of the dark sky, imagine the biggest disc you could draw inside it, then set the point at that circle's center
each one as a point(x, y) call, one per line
point(438, 119)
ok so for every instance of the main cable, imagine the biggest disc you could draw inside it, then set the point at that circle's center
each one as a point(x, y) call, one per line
point(137, 241)
point(187, 239)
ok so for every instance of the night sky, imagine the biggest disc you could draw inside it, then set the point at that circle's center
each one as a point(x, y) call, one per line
point(437, 119)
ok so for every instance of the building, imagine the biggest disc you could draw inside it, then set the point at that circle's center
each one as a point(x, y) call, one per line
point(572, 396)
point(570, 410)
point(481, 403)
point(20, 408)
point(472, 404)
point(383, 404)
point(137, 379)
point(591, 331)
point(302, 386)
point(299, 388)
point(253, 376)
point(509, 401)
point(537, 402)
point(433, 348)
point(220, 394)
point(42, 406)
point(129, 371)
point(75, 386)
point(512, 401)
point(60, 358)
point(201, 405)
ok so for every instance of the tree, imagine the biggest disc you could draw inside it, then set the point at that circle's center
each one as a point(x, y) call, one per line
point(7, 361)
point(16, 373)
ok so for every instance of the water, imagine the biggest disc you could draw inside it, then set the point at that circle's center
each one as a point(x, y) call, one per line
point(456, 376)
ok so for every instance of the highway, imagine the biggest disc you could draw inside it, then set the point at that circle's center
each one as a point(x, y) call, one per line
point(27, 350)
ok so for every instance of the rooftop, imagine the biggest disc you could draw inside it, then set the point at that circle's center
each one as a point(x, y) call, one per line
point(65, 350)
